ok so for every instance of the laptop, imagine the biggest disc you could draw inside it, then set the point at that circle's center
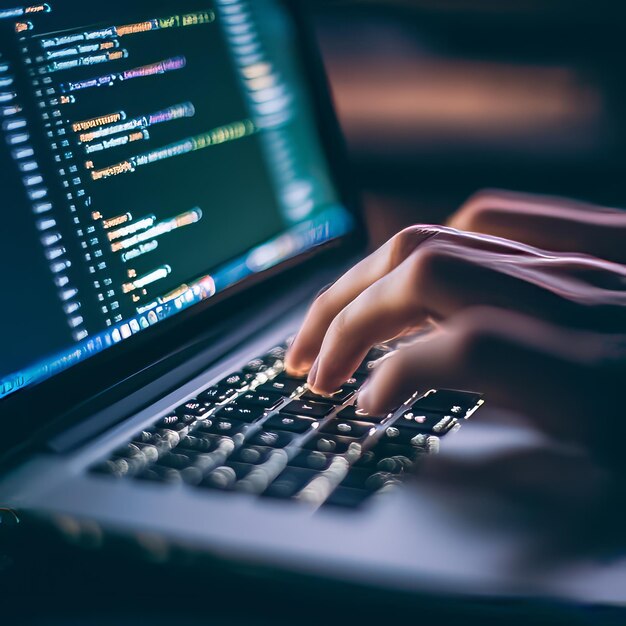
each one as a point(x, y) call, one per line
point(175, 194)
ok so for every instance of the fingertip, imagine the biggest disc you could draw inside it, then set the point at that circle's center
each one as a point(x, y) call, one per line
point(372, 398)
point(372, 402)
point(380, 392)
point(296, 363)
point(298, 372)
point(292, 367)
point(321, 381)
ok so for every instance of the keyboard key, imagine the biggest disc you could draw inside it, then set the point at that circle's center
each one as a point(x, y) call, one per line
point(390, 458)
point(329, 443)
point(347, 428)
point(290, 482)
point(372, 358)
point(369, 458)
point(339, 397)
point(253, 455)
point(162, 439)
point(193, 407)
point(199, 442)
point(118, 468)
point(365, 479)
point(273, 438)
point(221, 426)
point(284, 387)
point(309, 409)
point(226, 476)
point(433, 423)
point(377, 458)
point(131, 451)
point(150, 452)
point(266, 400)
point(274, 355)
point(456, 403)
point(290, 423)
point(217, 395)
point(173, 425)
point(146, 436)
point(246, 414)
point(223, 477)
point(395, 464)
point(241, 469)
point(174, 422)
point(160, 474)
point(355, 382)
point(355, 413)
point(382, 480)
point(259, 479)
point(312, 459)
point(405, 436)
point(357, 478)
point(256, 366)
point(175, 460)
point(238, 380)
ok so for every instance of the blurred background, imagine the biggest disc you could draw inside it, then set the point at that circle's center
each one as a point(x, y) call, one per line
point(440, 98)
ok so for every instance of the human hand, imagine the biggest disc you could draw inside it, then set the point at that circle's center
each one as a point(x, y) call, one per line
point(558, 224)
point(541, 333)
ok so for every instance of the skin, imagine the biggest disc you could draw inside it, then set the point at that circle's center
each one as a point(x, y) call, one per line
point(557, 224)
point(538, 330)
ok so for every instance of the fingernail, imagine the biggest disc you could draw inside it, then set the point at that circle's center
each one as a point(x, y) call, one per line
point(313, 373)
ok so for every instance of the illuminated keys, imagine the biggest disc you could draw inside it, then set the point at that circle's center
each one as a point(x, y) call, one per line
point(23, 153)
point(13, 125)
point(17, 138)
point(308, 409)
point(290, 423)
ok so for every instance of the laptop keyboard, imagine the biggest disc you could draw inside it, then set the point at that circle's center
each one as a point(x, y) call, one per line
point(262, 432)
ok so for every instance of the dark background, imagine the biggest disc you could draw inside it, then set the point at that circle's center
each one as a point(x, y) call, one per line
point(437, 99)
point(440, 98)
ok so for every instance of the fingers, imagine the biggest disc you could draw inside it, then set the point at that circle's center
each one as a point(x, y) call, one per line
point(551, 223)
point(439, 279)
point(424, 285)
point(518, 362)
point(329, 304)
point(325, 308)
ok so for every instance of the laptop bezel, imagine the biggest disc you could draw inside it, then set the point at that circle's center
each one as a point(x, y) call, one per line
point(25, 412)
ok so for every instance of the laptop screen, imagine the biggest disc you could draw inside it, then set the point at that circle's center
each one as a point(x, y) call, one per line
point(152, 154)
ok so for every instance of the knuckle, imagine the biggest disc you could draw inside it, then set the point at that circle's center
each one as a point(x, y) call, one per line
point(426, 264)
point(406, 241)
point(320, 304)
